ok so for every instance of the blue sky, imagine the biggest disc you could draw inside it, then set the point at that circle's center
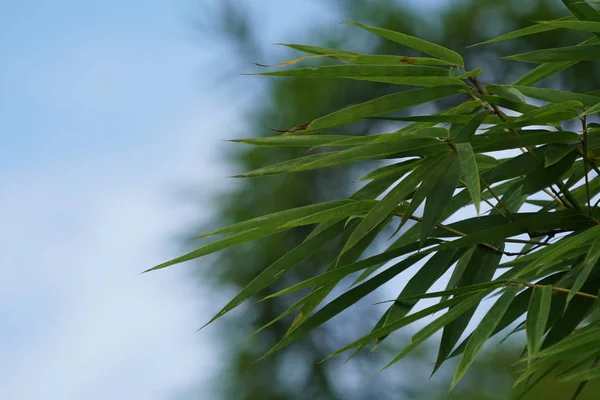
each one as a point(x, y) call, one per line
point(104, 116)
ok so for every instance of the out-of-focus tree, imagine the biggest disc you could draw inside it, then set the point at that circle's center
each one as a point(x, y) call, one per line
point(295, 372)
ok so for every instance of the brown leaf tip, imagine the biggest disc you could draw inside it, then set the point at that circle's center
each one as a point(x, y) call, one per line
point(302, 127)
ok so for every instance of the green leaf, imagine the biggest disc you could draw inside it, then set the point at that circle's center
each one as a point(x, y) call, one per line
point(530, 30)
point(480, 268)
point(557, 96)
point(417, 287)
point(540, 177)
point(439, 197)
point(335, 275)
point(395, 74)
point(357, 58)
point(506, 103)
point(344, 301)
point(349, 71)
point(222, 244)
point(588, 265)
point(451, 315)
point(507, 92)
point(468, 131)
point(421, 45)
point(504, 141)
point(546, 70)
point(585, 26)
point(452, 119)
point(582, 10)
point(425, 188)
point(548, 113)
point(398, 170)
point(406, 146)
point(282, 265)
point(593, 110)
point(468, 165)
point(559, 54)
point(537, 318)
point(386, 206)
point(280, 218)
point(483, 331)
point(381, 106)
point(556, 152)
point(395, 325)
point(347, 210)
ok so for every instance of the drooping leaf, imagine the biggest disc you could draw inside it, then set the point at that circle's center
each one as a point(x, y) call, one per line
point(483, 331)
point(384, 208)
point(588, 265)
point(537, 317)
point(479, 268)
point(556, 152)
point(557, 96)
point(468, 165)
point(454, 312)
point(282, 265)
point(546, 70)
point(438, 198)
point(466, 133)
point(530, 30)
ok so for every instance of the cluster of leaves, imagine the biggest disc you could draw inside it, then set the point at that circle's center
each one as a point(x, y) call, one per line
point(440, 162)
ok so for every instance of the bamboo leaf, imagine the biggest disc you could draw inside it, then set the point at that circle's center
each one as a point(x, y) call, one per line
point(468, 131)
point(421, 45)
point(384, 208)
point(381, 106)
point(561, 54)
point(588, 265)
point(451, 315)
point(537, 318)
point(483, 331)
point(282, 265)
point(439, 197)
point(546, 70)
point(530, 30)
point(557, 96)
point(468, 165)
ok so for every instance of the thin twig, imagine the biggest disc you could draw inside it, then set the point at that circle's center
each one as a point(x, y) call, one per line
point(585, 164)
point(555, 288)
point(502, 116)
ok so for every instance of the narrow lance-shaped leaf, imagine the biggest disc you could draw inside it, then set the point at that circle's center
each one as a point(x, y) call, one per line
point(344, 301)
point(438, 198)
point(385, 207)
point(546, 70)
point(537, 317)
point(588, 265)
point(423, 190)
point(282, 265)
point(452, 314)
point(468, 131)
point(381, 106)
point(432, 49)
point(530, 30)
point(582, 10)
point(559, 54)
point(466, 157)
point(483, 331)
